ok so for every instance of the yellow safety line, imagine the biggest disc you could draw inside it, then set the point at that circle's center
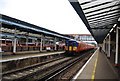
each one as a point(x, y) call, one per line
point(94, 70)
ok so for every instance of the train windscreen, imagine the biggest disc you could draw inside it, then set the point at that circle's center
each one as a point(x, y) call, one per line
point(72, 43)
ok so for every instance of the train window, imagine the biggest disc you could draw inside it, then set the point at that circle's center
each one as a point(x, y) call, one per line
point(74, 43)
point(70, 43)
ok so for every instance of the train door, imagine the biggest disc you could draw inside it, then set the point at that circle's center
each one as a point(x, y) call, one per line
point(66, 45)
point(70, 45)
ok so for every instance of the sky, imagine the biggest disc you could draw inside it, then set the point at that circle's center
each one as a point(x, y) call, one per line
point(56, 15)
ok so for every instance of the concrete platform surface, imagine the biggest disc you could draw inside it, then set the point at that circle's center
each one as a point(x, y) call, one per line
point(24, 56)
point(97, 68)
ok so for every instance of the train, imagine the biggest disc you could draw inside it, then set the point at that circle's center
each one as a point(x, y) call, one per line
point(73, 47)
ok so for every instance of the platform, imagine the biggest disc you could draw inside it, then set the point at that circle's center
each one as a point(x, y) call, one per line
point(13, 62)
point(97, 67)
point(25, 56)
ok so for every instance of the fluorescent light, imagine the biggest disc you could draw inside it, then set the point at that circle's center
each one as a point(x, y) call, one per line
point(114, 25)
point(119, 19)
point(73, 0)
point(111, 30)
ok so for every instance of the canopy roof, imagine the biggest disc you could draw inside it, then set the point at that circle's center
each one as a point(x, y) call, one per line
point(99, 16)
point(13, 23)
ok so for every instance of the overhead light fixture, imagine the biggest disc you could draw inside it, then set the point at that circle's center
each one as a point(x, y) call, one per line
point(111, 30)
point(119, 19)
point(107, 34)
point(114, 25)
point(73, 0)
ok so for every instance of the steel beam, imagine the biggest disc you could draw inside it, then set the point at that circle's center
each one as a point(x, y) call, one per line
point(109, 46)
point(97, 5)
point(102, 8)
point(102, 25)
point(107, 25)
point(117, 40)
point(108, 14)
point(103, 48)
point(0, 38)
point(86, 2)
point(101, 17)
point(41, 41)
point(104, 22)
point(14, 42)
point(55, 40)
point(105, 18)
point(103, 12)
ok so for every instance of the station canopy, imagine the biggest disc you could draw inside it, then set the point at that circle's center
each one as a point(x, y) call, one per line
point(99, 16)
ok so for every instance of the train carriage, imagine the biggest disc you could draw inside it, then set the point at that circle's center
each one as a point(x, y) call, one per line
point(73, 47)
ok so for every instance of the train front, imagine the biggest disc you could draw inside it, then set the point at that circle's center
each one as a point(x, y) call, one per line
point(71, 47)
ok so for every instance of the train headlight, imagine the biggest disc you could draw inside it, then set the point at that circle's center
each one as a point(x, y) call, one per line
point(70, 48)
point(74, 48)
point(66, 47)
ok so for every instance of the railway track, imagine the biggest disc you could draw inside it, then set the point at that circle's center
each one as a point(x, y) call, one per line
point(46, 71)
point(18, 74)
point(68, 71)
point(20, 61)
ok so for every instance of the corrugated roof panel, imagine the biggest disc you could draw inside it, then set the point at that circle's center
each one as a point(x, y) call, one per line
point(98, 15)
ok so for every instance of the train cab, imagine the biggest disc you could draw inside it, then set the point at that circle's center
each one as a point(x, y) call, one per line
point(71, 46)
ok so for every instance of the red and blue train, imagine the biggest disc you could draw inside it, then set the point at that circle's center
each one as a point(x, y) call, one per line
point(73, 47)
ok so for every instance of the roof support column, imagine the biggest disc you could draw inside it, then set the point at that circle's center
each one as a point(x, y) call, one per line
point(26, 40)
point(116, 55)
point(14, 45)
point(0, 38)
point(27, 43)
point(41, 42)
point(14, 42)
point(55, 43)
point(0, 47)
point(104, 45)
point(108, 55)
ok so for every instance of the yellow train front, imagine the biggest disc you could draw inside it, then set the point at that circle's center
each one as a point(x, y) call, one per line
point(73, 47)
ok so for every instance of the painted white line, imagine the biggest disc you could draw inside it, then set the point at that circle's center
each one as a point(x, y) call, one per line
point(80, 71)
point(31, 56)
